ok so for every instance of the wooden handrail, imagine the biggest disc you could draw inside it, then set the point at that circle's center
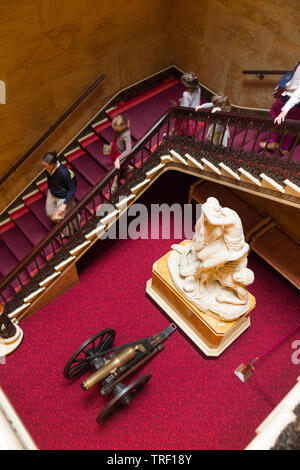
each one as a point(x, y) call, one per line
point(172, 113)
point(52, 128)
point(261, 73)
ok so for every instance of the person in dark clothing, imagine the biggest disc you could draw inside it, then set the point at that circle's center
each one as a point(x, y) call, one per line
point(61, 190)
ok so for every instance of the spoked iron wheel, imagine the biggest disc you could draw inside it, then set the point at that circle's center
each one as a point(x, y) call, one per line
point(78, 364)
point(123, 397)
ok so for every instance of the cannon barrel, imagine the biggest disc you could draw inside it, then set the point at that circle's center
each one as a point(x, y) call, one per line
point(117, 361)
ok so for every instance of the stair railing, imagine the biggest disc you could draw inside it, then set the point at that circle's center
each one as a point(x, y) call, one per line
point(52, 128)
point(190, 137)
point(261, 73)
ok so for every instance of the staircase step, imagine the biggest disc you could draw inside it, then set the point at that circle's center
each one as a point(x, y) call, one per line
point(268, 182)
point(31, 194)
point(18, 310)
point(107, 134)
point(292, 188)
point(166, 159)
point(5, 223)
point(95, 148)
point(38, 208)
point(34, 231)
point(149, 95)
point(101, 124)
point(33, 295)
point(178, 158)
point(246, 176)
point(64, 263)
point(89, 169)
point(142, 115)
point(112, 215)
point(225, 169)
point(193, 162)
point(31, 228)
point(79, 248)
point(43, 187)
point(124, 201)
point(7, 260)
point(154, 170)
point(49, 279)
point(83, 187)
point(210, 166)
point(4, 218)
point(98, 231)
point(18, 210)
point(17, 242)
point(140, 186)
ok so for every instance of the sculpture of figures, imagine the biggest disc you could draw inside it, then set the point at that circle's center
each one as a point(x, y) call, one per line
point(211, 270)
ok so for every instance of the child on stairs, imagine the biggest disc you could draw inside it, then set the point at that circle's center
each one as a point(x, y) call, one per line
point(190, 99)
point(121, 145)
point(216, 131)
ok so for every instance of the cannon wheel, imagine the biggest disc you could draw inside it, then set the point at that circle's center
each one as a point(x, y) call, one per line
point(123, 397)
point(78, 364)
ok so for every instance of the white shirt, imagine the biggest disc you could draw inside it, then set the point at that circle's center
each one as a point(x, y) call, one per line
point(293, 91)
point(191, 99)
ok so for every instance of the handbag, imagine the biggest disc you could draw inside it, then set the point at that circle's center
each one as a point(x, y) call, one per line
point(281, 87)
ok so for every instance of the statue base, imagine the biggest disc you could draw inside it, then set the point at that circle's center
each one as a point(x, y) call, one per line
point(7, 346)
point(210, 334)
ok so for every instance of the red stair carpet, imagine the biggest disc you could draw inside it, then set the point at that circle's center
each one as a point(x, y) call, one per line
point(191, 402)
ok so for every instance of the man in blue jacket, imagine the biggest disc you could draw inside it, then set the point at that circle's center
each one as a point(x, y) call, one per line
point(61, 190)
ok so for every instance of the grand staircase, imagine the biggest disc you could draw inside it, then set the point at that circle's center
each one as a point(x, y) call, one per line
point(35, 259)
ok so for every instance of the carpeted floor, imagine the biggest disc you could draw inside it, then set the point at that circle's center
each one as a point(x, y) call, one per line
point(191, 402)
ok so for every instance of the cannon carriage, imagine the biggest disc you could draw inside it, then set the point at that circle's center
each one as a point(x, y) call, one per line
point(111, 366)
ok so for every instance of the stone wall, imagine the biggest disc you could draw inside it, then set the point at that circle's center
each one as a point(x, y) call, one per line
point(219, 38)
point(53, 50)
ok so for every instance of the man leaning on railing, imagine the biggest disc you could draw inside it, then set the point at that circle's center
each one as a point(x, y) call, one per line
point(286, 105)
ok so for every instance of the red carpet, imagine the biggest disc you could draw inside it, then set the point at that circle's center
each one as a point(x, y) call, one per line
point(191, 402)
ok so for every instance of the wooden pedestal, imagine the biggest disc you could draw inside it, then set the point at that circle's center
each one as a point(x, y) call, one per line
point(211, 335)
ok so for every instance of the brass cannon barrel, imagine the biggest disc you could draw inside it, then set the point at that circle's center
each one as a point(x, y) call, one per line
point(119, 360)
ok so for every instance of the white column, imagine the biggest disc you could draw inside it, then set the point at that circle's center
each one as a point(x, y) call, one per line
point(13, 434)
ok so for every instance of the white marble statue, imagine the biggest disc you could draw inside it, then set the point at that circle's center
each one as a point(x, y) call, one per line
point(211, 270)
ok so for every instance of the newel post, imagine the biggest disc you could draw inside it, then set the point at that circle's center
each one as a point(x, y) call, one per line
point(11, 334)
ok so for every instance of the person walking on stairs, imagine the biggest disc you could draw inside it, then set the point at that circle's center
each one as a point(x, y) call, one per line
point(287, 105)
point(191, 98)
point(121, 146)
point(218, 133)
point(61, 191)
